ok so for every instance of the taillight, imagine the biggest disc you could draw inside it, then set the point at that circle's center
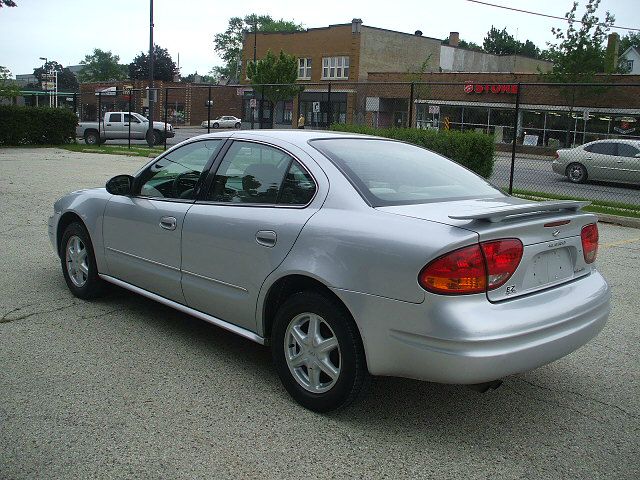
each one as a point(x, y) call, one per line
point(502, 257)
point(473, 269)
point(556, 155)
point(589, 236)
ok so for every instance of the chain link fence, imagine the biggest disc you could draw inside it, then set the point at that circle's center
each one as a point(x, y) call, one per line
point(543, 132)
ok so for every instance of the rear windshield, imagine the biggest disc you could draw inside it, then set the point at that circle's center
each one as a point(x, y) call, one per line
point(386, 172)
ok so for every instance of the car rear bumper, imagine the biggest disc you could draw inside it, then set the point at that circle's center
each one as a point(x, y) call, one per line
point(467, 339)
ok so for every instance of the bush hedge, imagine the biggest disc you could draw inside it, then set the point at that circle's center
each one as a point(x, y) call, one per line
point(36, 125)
point(471, 149)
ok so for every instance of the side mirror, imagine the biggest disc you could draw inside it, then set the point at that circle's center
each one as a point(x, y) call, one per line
point(120, 185)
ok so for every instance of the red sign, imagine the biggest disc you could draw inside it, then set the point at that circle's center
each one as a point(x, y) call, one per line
point(490, 88)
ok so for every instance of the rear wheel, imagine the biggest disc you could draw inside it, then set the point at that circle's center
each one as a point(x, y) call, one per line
point(92, 138)
point(79, 263)
point(238, 125)
point(577, 173)
point(318, 352)
point(157, 137)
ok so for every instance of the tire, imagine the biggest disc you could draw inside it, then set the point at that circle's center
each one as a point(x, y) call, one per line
point(83, 284)
point(238, 125)
point(92, 138)
point(216, 125)
point(157, 137)
point(577, 173)
point(296, 363)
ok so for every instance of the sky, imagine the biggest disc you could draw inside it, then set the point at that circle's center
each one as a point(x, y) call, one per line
point(67, 30)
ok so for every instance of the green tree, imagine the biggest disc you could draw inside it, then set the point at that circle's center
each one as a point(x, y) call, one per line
point(67, 81)
point(101, 66)
point(164, 67)
point(274, 78)
point(229, 43)
point(501, 42)
point(7, 3)
point(192, 77)
point(629, 40)
point(464, 44)
point(8, 88)
point(578, 55)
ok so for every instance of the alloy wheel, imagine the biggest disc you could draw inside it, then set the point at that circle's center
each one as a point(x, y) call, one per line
point(77, 261)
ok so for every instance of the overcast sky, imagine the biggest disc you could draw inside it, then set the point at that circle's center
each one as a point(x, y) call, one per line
point(66, 30)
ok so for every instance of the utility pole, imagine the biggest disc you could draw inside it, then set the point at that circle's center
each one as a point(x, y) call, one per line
point(151, 90)
point(255, 43)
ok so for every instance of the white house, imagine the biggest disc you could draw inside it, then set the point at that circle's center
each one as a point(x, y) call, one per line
point(630, 59)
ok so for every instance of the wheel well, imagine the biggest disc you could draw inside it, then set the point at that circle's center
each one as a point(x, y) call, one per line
point(67, 219)
point(287, 286)
point(90, 130)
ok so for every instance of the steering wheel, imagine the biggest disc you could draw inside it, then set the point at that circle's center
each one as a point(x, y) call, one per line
point(184, 182)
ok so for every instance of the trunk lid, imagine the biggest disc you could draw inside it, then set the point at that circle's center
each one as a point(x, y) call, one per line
point(549, 232)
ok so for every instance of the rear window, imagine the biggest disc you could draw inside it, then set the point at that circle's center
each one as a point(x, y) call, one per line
point(386, 172)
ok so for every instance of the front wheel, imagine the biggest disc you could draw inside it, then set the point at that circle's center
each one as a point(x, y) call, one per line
point(79, 262)
point(577, 173)
point(318, 352)
point(216, 125)
point(157, 137)
point(92, 138)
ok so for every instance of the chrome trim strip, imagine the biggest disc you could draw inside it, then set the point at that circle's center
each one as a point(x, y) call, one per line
point(215, 281)
point(189, 311)
point(143, 259)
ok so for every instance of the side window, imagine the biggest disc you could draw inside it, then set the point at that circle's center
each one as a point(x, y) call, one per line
point(249, 173)
point(176, 174)
point(626, 150)
point(298, 187)
point(605, 148)
point(115, 117)
point(130, 119)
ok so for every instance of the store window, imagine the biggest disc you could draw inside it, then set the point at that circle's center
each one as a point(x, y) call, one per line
point(304, 68)
point(335, 68)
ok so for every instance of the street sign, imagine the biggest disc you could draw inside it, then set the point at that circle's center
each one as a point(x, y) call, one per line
point(253, 103)
point(434, 109)
point(446, 123)
point(47, 86)
point(316, 107)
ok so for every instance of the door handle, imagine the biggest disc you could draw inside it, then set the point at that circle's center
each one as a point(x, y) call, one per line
point(168, 223)
point(266, 238)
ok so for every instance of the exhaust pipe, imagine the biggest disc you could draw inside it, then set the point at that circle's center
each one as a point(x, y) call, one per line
point(486, 386)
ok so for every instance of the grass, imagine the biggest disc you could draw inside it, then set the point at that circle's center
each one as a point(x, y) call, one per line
point(135, 151)
point(597, 206)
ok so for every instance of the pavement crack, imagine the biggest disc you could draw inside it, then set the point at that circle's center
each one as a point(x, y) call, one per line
point(581, 395)
point(15, 313)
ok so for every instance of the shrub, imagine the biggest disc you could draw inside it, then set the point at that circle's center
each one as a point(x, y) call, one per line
point(471, 149)
point(36, 125)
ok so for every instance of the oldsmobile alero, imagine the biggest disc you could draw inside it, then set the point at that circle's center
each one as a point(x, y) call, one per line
point(350, 255)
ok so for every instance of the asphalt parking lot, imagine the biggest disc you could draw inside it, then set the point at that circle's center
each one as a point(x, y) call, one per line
point(126, 388)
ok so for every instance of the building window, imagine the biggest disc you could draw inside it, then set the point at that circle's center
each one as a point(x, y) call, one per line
point(335, 68)
point(304, 68)
point(629, 66)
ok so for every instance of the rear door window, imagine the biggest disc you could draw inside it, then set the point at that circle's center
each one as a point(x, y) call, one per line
point(604, 148)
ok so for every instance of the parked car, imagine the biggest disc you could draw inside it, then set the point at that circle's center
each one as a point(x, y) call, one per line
point(349, 255)
point(117, 125)
point(226, 121)
point(615, 160)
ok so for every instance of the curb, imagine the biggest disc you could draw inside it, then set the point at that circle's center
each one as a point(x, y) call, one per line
point(617, 220)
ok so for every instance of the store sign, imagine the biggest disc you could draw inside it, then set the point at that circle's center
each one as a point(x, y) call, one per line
point(490, 88)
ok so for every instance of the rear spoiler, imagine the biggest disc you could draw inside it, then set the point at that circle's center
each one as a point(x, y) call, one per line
point(498, 214)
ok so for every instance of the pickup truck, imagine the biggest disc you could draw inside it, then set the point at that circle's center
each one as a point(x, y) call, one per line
point(116, 126)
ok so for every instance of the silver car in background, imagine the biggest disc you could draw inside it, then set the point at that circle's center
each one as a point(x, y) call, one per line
point(616, 160)
point(226, 121)
point(350, 255)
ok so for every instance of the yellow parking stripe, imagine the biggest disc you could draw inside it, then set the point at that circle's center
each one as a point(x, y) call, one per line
point(621, 242)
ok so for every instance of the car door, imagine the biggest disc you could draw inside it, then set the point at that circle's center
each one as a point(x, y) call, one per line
point(142, 232)
point(115, 126)
point(243, 227)
point(138, 129)
point(602, 161)
point(628, 163)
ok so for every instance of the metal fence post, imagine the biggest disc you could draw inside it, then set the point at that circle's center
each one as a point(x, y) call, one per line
point(75, 103)
point(253, 109)
point(166, 100)
point(299, 108)
point(329, 112)
point(515, 135)
point(209, 112)
point(99, 116)
point(129, 136)
point(410, 122)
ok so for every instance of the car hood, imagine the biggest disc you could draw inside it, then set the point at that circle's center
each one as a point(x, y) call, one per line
point(160, 125)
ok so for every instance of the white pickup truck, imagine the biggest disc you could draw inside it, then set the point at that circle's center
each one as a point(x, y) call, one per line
point(117, 125)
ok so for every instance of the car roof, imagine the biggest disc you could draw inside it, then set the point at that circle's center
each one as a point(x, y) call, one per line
point(630, 141)
point(294, 136)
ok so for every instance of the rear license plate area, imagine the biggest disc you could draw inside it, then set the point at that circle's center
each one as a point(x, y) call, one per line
point(549, 267)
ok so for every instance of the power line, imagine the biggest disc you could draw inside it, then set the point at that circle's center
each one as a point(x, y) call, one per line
point(543, 14)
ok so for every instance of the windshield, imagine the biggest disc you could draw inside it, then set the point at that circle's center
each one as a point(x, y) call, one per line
point(386, 172)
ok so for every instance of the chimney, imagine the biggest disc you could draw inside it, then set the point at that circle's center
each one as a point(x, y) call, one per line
point(356, 23)
point(418, 33)
point(611, 55)
point(454, 39)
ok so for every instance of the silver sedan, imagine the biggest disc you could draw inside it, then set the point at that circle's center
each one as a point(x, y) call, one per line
point(616, 160)
point(226, 121)
point(350, 255)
